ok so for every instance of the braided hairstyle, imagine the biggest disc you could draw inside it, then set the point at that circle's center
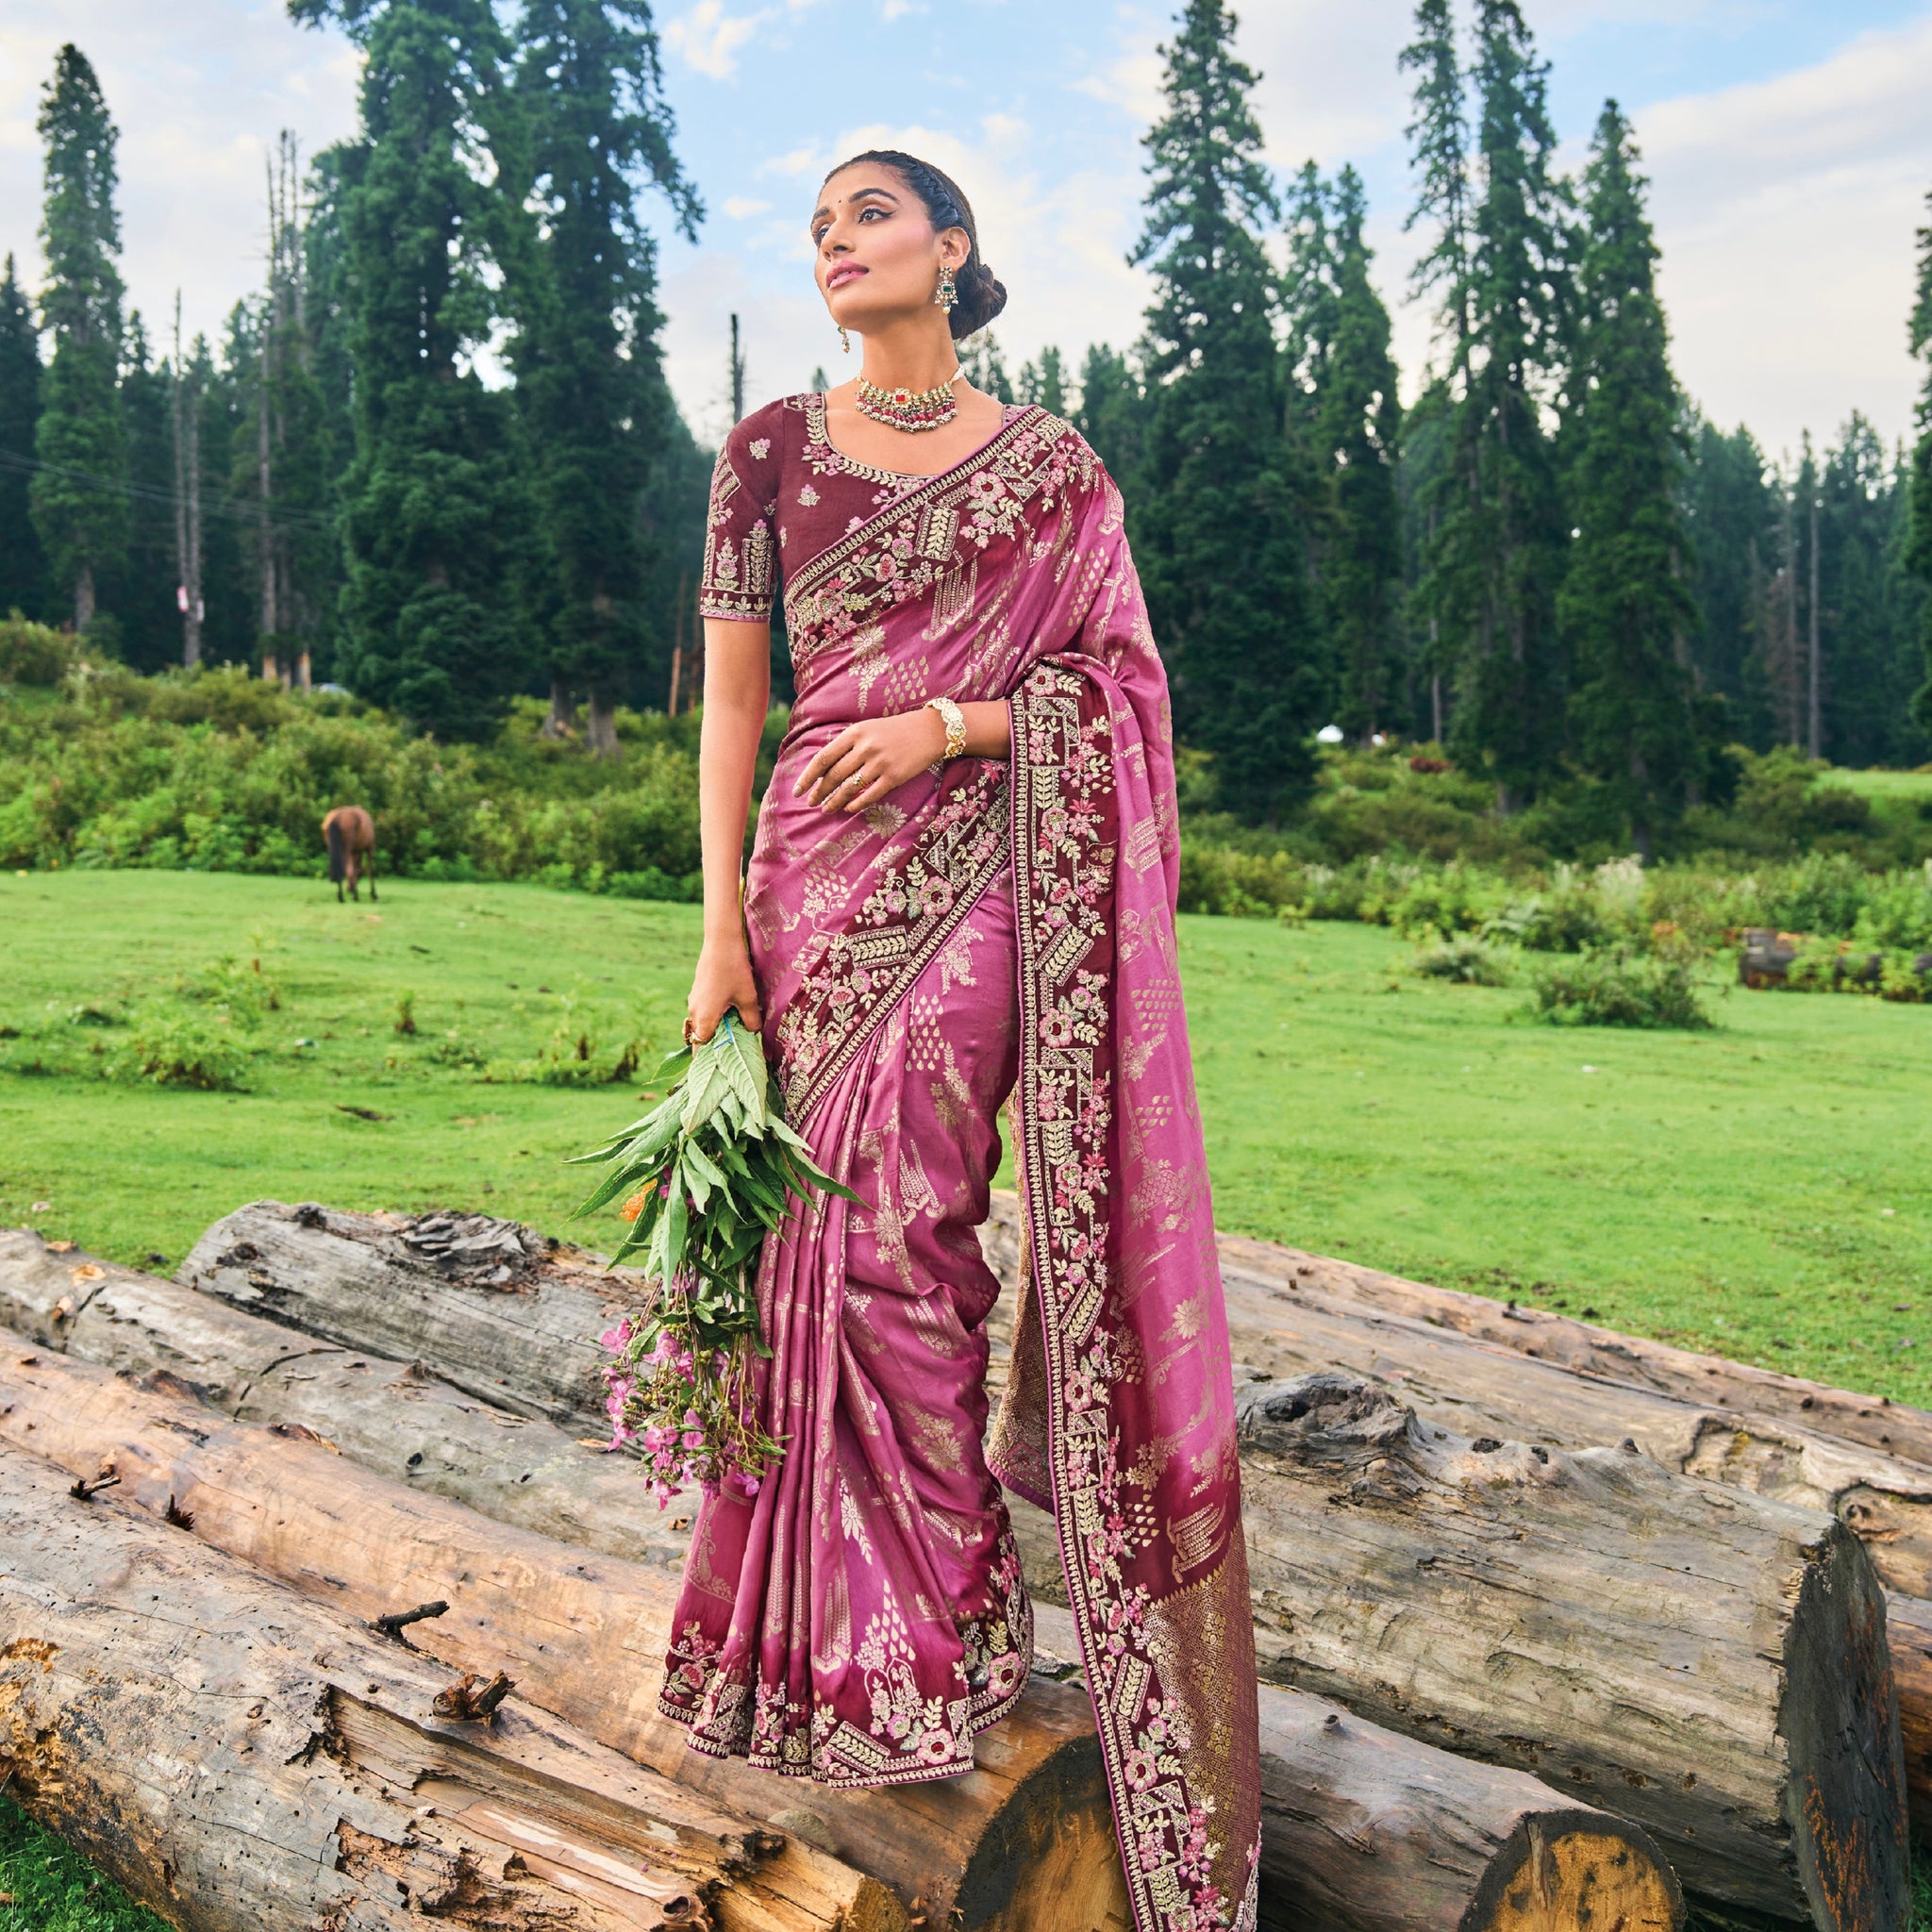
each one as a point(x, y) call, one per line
point(981, 293)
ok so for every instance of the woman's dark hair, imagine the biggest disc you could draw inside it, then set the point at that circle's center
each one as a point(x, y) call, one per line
point(982, 294)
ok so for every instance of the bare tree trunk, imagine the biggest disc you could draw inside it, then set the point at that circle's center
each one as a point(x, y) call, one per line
point(187, 428)
point(83, 596)
point(600, 723)
point(1814, 731)
point(677, 667)
point(561, 721)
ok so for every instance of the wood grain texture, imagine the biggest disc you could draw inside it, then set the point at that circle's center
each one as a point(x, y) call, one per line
point(242, 1758)
point(1366, 1829)
point(1020, 1841)
point(1281, 1326)
point(1706, 1662)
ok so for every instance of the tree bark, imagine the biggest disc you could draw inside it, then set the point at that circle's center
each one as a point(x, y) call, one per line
point(1365, 1830)
point(1281, 1326)
point(1023, 1843)
point(248, 1761)
point(600, 725)
point(1872, 1420)
point(1710, 1665)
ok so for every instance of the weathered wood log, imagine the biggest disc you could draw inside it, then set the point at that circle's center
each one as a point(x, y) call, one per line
point(1261, 1270)
point(523, 1338)
point(1365, 1830)
point(241, 1759)
point(1706, 1663)
point(392, 1417)
point(1908, 1634)
point(1280, 1329)
point(1024, 1840)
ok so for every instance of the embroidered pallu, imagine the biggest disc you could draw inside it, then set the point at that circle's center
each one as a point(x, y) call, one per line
point(992, 928)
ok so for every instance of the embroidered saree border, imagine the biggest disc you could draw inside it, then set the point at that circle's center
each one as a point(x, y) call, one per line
point(1066, 844)
point(926, 496)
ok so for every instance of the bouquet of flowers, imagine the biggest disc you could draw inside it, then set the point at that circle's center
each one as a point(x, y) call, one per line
point(703, 1176)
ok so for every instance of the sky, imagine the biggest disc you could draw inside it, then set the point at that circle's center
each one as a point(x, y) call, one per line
point(1787, 142)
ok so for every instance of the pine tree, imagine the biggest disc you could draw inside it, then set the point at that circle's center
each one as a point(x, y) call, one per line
point(1112, 413)
point(1868, 608)
point(80, 507)
point(1627, 607)
point(1918, 545)
point(597, 414)
point(137, 595)
point(985, 367)
point(1731, 519)
point(1217, 510)
point(1439, 149)
point(22, 570)
point(1044, 382)
point(1496, 556)
point(1354, 428)
point(436, 521)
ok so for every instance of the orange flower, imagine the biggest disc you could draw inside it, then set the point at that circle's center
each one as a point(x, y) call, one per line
point(635, 1206)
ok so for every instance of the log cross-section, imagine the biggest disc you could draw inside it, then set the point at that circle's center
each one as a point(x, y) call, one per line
point(1363, 1831)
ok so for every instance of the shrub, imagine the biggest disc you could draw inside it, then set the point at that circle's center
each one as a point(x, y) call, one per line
point(1618, 987)
point(35, 654)
point(181, 1048)
point(1464, 959)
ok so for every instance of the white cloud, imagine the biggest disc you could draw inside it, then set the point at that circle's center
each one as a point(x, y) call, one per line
point(1787, 211)
point(708, 38)
point(740, 208)
point(199, 94)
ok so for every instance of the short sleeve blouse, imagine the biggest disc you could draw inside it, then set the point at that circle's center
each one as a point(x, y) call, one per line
point(741, 554)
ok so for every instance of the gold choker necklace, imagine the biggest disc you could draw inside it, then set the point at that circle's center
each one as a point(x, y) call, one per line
point(908, 409)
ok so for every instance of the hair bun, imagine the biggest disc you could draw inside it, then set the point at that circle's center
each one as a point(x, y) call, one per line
point(981, 296)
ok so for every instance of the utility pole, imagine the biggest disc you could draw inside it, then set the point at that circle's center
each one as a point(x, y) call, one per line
point(737, 376)
point(187, 501)
point(1814, 735)
point(1788, 669)
point(264, 475)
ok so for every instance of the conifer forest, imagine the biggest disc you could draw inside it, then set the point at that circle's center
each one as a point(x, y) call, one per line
point(433, 458)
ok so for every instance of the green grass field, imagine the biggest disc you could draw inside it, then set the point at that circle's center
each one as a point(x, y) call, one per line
point(1764, 1189)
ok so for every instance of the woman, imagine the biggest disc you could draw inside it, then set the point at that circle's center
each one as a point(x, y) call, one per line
point(963, 888)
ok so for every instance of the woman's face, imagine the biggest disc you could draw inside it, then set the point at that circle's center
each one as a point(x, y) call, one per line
point(877, 254)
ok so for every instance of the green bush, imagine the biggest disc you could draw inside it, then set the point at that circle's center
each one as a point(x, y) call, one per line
point(181, 1048)
point(35, 654)
point(1617, 986)
point(1465, 959)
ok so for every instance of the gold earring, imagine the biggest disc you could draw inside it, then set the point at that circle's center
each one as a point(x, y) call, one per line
point(844, 341)
point(946, 293)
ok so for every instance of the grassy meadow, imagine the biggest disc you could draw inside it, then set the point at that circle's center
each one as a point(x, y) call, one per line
point(1764, 1189)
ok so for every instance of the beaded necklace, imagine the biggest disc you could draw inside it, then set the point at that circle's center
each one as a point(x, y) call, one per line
point(908, 409)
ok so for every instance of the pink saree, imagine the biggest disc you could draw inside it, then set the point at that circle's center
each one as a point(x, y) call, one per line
point(993, 928)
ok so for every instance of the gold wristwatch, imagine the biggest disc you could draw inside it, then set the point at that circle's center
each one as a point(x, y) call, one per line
point(955, 720)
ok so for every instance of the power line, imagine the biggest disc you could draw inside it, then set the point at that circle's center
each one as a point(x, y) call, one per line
point(235, 508)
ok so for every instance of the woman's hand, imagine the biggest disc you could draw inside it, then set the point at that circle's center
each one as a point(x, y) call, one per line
point(722, 980)
point(869, 759)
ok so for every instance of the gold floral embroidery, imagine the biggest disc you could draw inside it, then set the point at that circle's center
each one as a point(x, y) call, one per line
point(1066, 848)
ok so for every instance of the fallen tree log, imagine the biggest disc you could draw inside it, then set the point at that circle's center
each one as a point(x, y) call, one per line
point(1365, 1830)
point(522, 1336)
point(242, 1760)
point(1259, 1276)
point(1281, 1329)
point(392, 1417)
point(1708, 1663)
point(1908, 1633)
point(1023, 1843)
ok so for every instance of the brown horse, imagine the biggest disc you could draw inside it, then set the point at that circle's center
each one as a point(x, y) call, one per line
point(351, 835)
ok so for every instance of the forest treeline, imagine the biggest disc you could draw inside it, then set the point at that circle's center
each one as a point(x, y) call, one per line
point(434, 457)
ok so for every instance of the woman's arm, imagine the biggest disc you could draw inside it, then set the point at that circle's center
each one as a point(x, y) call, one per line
point(878, 756)
point(737, 693)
